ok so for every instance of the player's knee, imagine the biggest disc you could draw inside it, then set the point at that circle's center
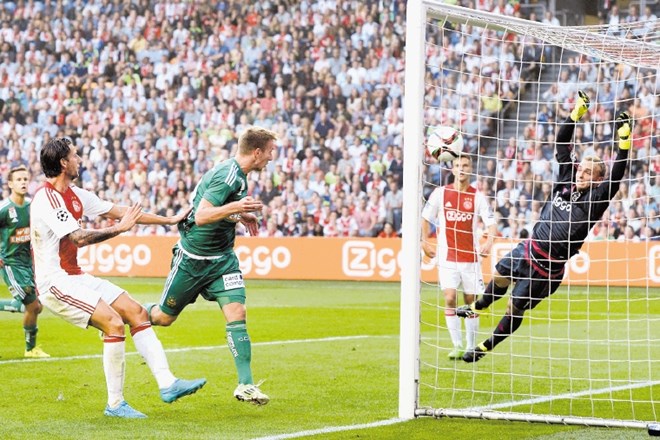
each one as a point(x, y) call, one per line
point(115, 326)
point(34, 307)
point(134, 314)
point(500, 280)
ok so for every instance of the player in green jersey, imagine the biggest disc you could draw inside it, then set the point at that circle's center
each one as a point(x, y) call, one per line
point(16, 259)
point(204, 262)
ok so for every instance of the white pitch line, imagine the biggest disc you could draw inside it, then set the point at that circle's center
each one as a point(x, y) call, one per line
point(332, 429)
point(543, 399)
point(187, 349)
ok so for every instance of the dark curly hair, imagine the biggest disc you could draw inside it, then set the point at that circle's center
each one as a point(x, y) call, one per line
point(52, 153)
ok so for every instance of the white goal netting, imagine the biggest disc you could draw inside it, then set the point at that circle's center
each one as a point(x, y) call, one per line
point(588, 354)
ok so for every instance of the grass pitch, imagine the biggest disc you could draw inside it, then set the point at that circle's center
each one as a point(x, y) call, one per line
point(328, 352)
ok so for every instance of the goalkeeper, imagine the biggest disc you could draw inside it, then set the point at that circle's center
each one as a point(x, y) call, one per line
point(580, 196)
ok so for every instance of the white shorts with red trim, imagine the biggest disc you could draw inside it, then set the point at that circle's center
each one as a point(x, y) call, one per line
point(453, 274)
point(74, 297)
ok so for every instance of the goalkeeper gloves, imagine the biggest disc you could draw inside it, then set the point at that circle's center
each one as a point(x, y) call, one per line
point(623, 129)
point(581, 106)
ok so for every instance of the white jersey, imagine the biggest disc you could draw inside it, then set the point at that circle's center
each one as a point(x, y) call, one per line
point(454, 215)
point(54, 215)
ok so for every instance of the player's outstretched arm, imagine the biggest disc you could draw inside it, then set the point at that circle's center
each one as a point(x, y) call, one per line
point(147, 218)
point(623, 129)
point(206, 213)
point(563, 142)
point(85, 237)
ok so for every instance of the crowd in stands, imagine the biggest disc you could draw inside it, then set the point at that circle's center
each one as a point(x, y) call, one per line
point(154, 93)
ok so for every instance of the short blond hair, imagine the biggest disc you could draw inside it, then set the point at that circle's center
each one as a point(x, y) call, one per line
point(598, 164)
point(253, 138)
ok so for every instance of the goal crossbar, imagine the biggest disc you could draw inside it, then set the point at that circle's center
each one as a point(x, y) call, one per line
point(589, 40)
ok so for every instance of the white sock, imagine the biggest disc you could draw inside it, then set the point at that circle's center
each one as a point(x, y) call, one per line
point(454, 326)
point(150, 348)
point(114, 366)
point(472, 328)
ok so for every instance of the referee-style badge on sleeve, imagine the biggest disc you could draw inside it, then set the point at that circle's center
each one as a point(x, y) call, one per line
point(233, 281)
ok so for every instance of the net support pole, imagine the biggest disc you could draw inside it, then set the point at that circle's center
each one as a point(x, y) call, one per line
point(413, 108)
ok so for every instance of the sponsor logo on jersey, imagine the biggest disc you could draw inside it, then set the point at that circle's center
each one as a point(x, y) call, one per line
point(560, 203)
point(22, 235)
point(456, 216)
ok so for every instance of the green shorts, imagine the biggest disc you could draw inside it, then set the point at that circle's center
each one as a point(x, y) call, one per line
point(218, 279)
point(20, 281)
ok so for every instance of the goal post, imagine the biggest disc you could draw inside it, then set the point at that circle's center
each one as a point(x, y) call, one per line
point(586, 355)
point(410, 248)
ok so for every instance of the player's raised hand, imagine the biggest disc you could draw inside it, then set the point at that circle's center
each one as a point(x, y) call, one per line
point(130, 217)
point(623, 128)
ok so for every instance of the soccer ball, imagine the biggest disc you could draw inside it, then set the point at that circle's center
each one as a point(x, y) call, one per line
point(444, 143)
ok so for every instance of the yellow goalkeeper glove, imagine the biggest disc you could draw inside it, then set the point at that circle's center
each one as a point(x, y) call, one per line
point(623, 129)
point(581, 106)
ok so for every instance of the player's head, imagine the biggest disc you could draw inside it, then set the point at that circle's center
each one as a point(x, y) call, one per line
point(59, 156)
point(462, 169)
point(591, 171)
point(18, 180)
point(257, 143)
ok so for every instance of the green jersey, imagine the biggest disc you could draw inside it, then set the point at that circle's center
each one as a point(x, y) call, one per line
point(224, 183)
point(15, 228)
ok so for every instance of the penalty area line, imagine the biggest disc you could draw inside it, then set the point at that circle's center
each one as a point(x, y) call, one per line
point(206, 348)
point(332, 429)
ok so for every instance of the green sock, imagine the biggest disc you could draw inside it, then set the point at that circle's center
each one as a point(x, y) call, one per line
point(11, 305)
point(30, 337)
point(241, 349)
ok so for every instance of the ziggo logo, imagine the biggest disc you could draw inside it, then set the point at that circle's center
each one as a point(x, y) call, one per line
point(455, 216)
point(262, 259)
point(361, 259)
point(107, 258)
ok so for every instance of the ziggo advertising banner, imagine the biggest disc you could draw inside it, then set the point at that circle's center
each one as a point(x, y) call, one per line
point(598, 263)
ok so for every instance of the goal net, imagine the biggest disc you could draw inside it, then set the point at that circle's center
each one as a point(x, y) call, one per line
point(589, 353)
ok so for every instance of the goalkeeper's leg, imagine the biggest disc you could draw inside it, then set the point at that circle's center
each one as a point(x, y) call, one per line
point(509, 323)
point(496, 289)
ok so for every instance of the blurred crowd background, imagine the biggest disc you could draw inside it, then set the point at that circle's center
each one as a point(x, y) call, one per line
point(154, 93)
